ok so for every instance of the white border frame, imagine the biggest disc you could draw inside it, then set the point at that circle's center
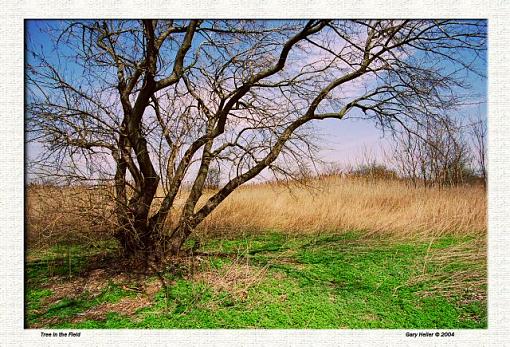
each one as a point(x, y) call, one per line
point(12, 163)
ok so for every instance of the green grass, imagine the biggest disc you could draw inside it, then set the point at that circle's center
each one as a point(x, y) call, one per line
point(62, 260)
point(69, 307)
point(327, 282)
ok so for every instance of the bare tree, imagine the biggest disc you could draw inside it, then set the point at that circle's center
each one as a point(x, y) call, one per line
point(479, 136)
point(213, 178)
point(434, 153)
point(147, 103)
point(405, 156)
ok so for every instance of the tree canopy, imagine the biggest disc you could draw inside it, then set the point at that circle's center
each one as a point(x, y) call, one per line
point(145, 103)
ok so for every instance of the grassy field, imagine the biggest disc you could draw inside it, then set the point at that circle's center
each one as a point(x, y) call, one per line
point(343, 253)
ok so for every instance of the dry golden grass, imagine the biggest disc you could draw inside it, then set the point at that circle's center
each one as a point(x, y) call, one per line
point(326, 204)
point(334, 203)
point(71, 215)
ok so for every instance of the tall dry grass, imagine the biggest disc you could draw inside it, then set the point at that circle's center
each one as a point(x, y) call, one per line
point(326, 204)
point(335, 203)
point(68, 215)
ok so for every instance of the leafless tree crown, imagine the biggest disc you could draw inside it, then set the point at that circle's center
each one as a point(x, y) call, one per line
point(144, 104)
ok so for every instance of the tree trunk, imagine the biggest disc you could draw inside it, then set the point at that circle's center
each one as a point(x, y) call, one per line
point(143, 244)
point(140, 243)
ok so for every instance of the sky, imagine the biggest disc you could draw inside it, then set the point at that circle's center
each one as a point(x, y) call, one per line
point(342, 142)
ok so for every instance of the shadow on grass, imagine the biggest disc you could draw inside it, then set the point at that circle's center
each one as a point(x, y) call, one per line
point(285, 281)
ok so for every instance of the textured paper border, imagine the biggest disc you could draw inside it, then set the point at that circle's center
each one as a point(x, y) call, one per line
point(12, 165)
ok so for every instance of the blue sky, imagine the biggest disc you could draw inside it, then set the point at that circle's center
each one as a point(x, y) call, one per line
point(344, 141)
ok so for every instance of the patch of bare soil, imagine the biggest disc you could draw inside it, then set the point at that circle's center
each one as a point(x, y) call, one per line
point(44, 323)
point(92, 283)
point(124, 307)
point(152, 288)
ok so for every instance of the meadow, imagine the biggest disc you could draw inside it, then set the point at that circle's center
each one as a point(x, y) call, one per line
point(327, 252)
